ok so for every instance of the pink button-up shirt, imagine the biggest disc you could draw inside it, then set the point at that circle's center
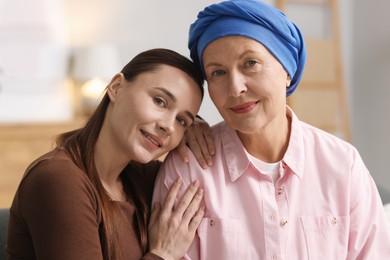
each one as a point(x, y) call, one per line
point(324, 205)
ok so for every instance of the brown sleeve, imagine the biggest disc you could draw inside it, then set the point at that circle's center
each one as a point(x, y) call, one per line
point(55, 207)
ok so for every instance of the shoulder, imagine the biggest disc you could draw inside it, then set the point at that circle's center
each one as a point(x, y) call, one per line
point(54, 168)
point(227, 145)
point(54, 191)
point(330, 150)
point(320, 138)
point(54, 179)
point(219, 129)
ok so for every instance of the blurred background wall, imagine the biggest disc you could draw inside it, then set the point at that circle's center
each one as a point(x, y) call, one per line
point(370, 86)
point(133, 26)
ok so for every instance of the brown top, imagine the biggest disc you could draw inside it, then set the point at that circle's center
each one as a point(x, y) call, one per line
point(56, 213)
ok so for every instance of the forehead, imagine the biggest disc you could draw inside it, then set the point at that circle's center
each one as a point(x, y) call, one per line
point(236, 47)
point(181, 87)
point(165, 75)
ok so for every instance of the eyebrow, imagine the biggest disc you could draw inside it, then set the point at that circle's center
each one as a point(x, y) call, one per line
point(246, 52)
point(168, 93)
point(211, 64)
point(171, 96)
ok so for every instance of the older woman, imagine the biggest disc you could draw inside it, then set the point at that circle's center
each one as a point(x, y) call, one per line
point(278, 187)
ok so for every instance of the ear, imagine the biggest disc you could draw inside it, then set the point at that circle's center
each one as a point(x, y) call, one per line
point(288, 81)
point(114, 85)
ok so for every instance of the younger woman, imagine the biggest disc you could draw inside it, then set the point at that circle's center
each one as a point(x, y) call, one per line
point(90, 198)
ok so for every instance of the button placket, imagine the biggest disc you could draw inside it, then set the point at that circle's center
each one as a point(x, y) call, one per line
point(271, 219)
point(279, 191)
point(283, 213)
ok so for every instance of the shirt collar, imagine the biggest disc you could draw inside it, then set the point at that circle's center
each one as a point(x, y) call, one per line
point(236, 158)
point(294, 157)
point(238, 161)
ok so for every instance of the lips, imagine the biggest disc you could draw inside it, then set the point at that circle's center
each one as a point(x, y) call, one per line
point(244, 108)
point(152, 138)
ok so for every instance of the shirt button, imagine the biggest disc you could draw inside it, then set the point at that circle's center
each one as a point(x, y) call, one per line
point(283, 222)
point(279, 191)
point(212, 222)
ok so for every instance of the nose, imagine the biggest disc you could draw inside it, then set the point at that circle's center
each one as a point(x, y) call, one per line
point(236, 84)
point(166, 125)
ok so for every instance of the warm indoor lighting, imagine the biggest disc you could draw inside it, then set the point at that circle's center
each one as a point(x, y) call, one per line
point(92, 93)
point(93, 67)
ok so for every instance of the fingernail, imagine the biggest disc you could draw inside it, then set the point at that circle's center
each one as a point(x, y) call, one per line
point(200, 192)
point(195, 183)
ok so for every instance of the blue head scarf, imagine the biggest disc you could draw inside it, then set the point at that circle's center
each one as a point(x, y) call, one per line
point(255, 20)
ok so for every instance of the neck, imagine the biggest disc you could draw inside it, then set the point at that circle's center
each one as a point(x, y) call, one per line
point(270, 143)
point(109, 165)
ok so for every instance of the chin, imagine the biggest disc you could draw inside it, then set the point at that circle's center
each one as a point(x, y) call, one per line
point(143, 157)
point(245, 126)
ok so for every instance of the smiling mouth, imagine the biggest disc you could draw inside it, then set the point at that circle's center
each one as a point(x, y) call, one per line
point(151, 139)
point(245, 107)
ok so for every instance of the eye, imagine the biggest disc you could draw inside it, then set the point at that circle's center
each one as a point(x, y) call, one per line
point(182, 121)
point(159, 102)
point(218, 73)
point(250, 63)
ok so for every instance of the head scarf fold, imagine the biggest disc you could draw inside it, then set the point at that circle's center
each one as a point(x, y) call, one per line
point(255, 20)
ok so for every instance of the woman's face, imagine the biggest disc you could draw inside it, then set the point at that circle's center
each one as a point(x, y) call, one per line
point(246, 83)
point(150, 114)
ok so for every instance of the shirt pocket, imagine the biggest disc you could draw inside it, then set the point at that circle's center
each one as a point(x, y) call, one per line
point(221, 239)
point(326, 237)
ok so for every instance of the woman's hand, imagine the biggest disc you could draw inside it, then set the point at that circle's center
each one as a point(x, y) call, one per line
point(200, 140)
point(171, 231)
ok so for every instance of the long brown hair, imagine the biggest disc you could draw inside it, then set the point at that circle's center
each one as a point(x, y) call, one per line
point(80, 144)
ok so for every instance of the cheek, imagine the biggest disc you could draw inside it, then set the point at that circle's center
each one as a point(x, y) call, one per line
point(217, 95)
point(271, 86)
point(175, 139)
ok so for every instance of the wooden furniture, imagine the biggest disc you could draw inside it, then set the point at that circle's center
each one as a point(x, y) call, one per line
point(20, 145)
point(321, 98)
